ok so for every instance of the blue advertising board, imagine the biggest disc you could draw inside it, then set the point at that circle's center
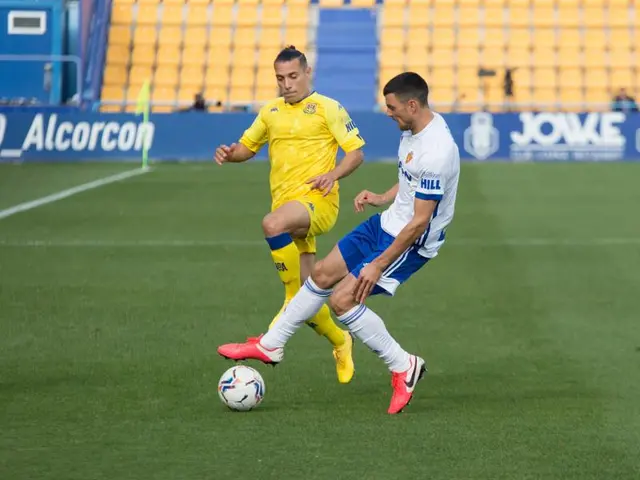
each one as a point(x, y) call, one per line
point(526, 136)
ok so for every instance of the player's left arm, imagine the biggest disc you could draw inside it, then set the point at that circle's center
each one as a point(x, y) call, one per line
point(428, 194)
point(346, 133)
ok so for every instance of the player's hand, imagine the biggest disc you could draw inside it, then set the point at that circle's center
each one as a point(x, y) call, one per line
point(369, 276)
point(323, 182)
point(223, 153)
point(366, 197)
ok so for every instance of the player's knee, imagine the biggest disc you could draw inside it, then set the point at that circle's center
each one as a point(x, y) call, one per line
point(272, 225)
point(321, 276)
point(341, 301)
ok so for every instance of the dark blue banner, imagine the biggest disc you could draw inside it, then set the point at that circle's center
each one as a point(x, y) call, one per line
point(73, 136)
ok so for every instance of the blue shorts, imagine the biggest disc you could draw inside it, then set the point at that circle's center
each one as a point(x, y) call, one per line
point(366, 242)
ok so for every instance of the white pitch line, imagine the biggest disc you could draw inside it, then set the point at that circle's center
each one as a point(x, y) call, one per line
point(468, 242)
point(22, 207)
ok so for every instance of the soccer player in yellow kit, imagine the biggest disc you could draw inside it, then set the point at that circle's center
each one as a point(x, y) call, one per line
point(304, 130)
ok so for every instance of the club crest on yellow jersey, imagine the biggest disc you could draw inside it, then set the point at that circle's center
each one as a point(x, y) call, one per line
point(310, 108)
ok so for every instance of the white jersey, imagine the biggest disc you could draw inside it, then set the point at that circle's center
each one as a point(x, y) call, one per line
point(428, 169)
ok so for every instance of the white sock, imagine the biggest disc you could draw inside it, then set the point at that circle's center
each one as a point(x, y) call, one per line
point(371, 330)
point(306, 303)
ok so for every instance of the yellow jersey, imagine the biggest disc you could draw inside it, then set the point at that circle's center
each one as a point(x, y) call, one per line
point(303, 142)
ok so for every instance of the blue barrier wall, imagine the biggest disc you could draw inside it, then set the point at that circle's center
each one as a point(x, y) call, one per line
point(73, 136)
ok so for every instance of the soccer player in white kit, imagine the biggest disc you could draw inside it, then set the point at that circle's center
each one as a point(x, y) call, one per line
point(384, 251)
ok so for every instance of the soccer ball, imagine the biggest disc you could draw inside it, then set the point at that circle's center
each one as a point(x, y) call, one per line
point(241, 388)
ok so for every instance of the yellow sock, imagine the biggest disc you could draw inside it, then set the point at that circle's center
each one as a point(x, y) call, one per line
point(286, 258)
point(324, 325)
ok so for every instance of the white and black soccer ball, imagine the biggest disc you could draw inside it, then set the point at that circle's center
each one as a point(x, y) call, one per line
point(241, 388)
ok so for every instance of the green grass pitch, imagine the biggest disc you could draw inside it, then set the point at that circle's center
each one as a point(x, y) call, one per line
point(112, 304)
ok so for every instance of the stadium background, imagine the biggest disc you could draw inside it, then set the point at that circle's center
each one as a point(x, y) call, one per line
point(114, 296)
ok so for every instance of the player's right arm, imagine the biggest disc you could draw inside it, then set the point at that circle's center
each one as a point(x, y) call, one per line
point(250, 143)
point(366, 197)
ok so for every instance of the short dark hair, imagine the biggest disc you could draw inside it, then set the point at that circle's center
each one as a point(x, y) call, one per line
point(291, 53)
point(408, 85)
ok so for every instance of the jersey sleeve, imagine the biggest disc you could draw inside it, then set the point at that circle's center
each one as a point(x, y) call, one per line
point(431, 182)
point(342, 128)
point(256, 135)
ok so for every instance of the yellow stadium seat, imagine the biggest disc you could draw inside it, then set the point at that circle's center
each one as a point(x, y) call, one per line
point(363, 3)
point(117, 55)
point(493, 37)
point(443, 14)
point(172, 2)
point(265, 77)
point(163, 94)
point(494, 16)
point(442, 57)
point(443, 38)
point(147, 15)
point(202, 2)
point(197, 16)
point(392, 37)
point(415, 55)
point(518, 57)
point(241, 95)
point(547, 97)
point(297, 15)
point(273, 2)
point(544, 57)
point(272, 16)
point(619, 38)
point(219, 56)
point(568, 15)
point(419, 18)
point(265, 94)
point(622, 59)
point(621, 78)
point(469, 37)
point(296, 36)
point(271, 37)
point(619, 17)
point(599, 96)
point(393, 16)
point(170, 36)
point(245, 37)
point(519, 38)
point(192, 77)
point(468, 77)
point(244, 57)
point(519, 17)
point(120, 35)
point(111, 108)
point(330, 3)
point(123, 2)
point(243, 76)
point(144, 36)
point(115, 75)
point(140, 74)
point(217, 74)
point(394, 57)
point(545, 77)
point(172, 15)
point(593, 17)
point(544, 37)
point(468, 57)
point(267, 56)
point(143, 55)
point(493, 57)
point(569, 37)
point(469, 16)
point(596, 58)
point(220, 37)
point(572, 99)
point(195, 37)
point(596, 39)
point(570, 77)
point(570, 57)
point(166, 76)
point(194, 56)
point(168, 55)
point(122, 15)
point(222, 15)
point(247, 15)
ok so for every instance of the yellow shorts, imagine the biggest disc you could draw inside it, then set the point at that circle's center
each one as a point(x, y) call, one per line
point(323, 212)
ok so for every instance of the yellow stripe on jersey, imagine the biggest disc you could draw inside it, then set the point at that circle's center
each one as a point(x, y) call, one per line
point(303, 141)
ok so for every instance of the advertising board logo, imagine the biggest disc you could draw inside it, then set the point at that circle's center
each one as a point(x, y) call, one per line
point(481, 138)
point(566, 136)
